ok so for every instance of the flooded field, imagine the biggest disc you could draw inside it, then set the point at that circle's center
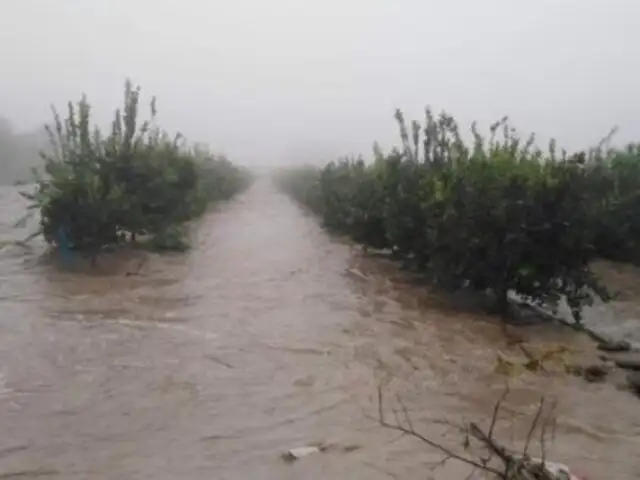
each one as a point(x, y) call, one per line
point(270, 335)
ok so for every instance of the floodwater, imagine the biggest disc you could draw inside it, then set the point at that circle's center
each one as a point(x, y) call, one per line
point(268, 335)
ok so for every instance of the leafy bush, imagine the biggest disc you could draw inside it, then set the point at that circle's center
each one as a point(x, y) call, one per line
point(495, 215)
point(345, 193)
point(614, 178)
point(98, 191)
point(219, 178)
point(353, 199)
point(304, 185)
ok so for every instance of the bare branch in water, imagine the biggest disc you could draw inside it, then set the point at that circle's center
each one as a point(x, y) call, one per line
point(411, 432)
point(515, 467)
point(533, 427)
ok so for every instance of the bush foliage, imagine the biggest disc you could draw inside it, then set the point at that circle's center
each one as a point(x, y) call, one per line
point(615, 191)
point(492, 213)
point(99, 190)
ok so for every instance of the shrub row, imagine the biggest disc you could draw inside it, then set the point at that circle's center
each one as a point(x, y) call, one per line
point(494, 213)
point(99, 190)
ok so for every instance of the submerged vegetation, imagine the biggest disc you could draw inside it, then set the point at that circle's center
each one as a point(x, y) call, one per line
point(100, 190)
point(492, 214)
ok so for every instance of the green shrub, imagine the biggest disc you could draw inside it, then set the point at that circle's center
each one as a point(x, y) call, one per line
point(353, 201)
point(101, 190)
point(614, 178)
point(494, 215)
point(304, 185)
point(219, 178)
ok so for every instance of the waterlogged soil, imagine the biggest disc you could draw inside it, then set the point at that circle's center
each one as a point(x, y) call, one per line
point(269, 335)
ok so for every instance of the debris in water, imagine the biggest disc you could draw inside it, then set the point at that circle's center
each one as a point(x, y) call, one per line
point(299, 452)
point(596, 372)
point(628, 361)
point(307, 381)
point(508, 464)
point(560, 471)
point(634, 381)
point(219, 361)
point(357, 273)
point(351, 448)
point(506, 366)
point(614, 346)
point(591, 373)
point(534, 362)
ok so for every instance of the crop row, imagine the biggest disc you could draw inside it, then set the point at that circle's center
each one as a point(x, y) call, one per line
point(98, 190)
point(494, 214)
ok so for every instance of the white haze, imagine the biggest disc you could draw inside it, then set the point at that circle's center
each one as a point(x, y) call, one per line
point(276, 81)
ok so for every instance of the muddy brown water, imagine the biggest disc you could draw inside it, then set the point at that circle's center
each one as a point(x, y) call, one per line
point(268, 335)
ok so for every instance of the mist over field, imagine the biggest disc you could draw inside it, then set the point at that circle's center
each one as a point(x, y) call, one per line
point(284, 82)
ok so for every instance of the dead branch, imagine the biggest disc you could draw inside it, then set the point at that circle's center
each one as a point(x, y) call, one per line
point(533, 427)
point(411, 432)
point(496, 409)
point(515, 466)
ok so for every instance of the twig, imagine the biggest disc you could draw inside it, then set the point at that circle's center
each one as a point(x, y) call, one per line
point(406, 413)
point(437, 446)
point(533, 427)
point(139, 269)
point(439, 463)
point(543, 447)
point(543, 435)
point(554, 424)
point(496, 409)
point(520, 467)
point(494, 418)
point(219, 361)
point(477, 432)
point(395, 416)
point(442, 448)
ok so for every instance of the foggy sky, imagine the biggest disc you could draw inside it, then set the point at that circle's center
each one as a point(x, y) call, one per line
point(271, 81)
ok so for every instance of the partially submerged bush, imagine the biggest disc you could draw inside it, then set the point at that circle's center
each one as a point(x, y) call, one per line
point(496, 215)
point(98, 191)
point(304, 185)
point(614, 177)
point(219, 178)
point(353, 200)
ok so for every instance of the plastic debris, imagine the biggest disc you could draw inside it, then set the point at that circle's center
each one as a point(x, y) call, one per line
point(560, 471)
point(299, 452)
